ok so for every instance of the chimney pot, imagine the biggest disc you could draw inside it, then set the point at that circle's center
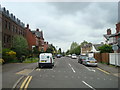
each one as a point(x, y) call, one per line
point(37, 29)
point(108, 31)
point(27, 25)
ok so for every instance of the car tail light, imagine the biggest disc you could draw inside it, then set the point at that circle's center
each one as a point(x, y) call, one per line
point(51, 60)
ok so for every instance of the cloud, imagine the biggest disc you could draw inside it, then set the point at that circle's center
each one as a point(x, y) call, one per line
point(62, 23)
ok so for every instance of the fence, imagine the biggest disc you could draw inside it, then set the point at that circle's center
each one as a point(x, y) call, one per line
point(102, 57)
point(114, 58)
point(109, 58)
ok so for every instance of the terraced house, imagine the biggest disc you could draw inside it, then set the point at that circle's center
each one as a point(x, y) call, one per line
point(11, 26)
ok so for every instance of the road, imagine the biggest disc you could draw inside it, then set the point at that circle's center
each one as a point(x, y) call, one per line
point(67, 73)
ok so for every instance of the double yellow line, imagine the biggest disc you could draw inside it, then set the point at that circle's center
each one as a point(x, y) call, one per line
point(26, 82)
point(103, 71)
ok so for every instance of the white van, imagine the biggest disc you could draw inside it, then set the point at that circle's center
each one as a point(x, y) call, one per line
point(46, 59)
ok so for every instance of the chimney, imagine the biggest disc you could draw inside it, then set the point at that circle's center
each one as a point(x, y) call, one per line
point(27, 26)
point(37, 29)
point(117, 27)
point(108, 31)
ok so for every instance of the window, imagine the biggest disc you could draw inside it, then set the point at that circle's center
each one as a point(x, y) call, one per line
point(5, 24)
point(9, 26)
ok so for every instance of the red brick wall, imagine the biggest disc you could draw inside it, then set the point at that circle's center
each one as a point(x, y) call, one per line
point(45, 46)
point(117, 27)
point(31, 39)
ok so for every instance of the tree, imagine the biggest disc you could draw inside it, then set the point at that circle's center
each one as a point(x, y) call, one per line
point(73, 45)
point(67, 52)
point(59, 50)
point(105, 49)
point(20, 46)
point(51, 49)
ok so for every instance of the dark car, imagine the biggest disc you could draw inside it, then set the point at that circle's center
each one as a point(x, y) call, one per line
point(59, 56)
point(81, 58)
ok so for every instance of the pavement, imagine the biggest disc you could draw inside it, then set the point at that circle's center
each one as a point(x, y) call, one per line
point(110, 68)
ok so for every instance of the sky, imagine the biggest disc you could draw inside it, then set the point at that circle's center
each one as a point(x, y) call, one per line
point(65, 22)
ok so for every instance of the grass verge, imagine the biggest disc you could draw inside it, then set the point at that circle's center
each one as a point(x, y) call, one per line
point(30, 60)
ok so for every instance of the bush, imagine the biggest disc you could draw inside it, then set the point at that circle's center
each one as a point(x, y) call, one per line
point(8, 55)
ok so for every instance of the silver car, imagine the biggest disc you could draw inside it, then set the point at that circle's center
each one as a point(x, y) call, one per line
point(90, 61)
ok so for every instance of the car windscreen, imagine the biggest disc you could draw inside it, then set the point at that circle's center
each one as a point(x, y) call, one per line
point(91, 58)
point(83, 57)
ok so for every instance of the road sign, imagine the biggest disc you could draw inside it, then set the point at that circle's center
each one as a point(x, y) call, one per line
point(115, 47)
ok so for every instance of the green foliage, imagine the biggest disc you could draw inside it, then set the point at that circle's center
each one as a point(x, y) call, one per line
point(31, 60)
point(73, 45)
point(20, 46)
point(35, 51)
point(8, 55)
point(75, 48)
point(84, 43)
point(67, 52)
point(51, 49)
point(105, 49)
point(59, 51)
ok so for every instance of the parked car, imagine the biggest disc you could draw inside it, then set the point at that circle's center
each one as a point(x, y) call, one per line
point(90, 61)
point(45, 59)
point(74, 56)
point(58, 55)
point(69, 55)
point(81, 58)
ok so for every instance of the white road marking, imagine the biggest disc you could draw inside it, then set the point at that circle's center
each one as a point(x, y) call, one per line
point(88, 85)
point(90, 69)
point(72, 68)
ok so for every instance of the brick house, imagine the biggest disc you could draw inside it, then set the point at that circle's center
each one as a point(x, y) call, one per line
point(31, 38)
point(11, 26)
point(39, 39)
point(86, 48)
point(112, 39)
point(45, 46)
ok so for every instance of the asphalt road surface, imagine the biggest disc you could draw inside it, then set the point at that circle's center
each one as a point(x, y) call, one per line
point(67, 73)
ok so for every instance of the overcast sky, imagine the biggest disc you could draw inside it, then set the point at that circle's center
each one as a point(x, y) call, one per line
point(65, 22)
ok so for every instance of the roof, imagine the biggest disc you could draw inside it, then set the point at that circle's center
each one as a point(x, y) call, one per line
point(37, 33)
point(86, 45)
point(97, 45)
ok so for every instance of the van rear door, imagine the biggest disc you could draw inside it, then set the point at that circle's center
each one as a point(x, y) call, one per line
point(44, 58)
